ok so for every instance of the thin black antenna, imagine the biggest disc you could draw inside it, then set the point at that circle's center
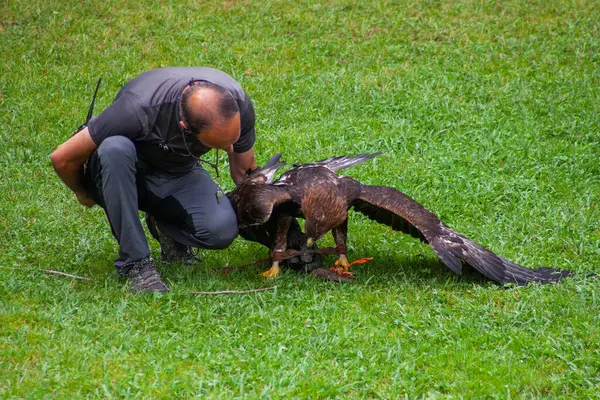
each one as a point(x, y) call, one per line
point(91, 110)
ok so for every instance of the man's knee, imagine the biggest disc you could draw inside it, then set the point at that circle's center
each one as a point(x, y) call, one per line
point(218, 232)
point(117, 150)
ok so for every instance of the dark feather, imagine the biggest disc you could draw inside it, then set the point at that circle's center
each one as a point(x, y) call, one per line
point(273, 160)
point(397, 210)
point(254, 207)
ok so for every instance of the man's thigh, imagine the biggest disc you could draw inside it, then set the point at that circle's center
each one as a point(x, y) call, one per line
point(189, 203)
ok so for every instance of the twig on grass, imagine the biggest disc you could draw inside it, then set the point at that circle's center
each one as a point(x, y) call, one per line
point(52, 272)
point(49, 272)
point(235, 291)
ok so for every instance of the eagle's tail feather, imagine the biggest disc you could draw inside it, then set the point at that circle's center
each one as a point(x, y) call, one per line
point(453, 247)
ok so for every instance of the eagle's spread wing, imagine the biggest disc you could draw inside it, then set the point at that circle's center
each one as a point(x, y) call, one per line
point(395, 209)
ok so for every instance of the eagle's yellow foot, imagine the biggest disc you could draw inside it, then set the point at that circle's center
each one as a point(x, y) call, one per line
point(341, 266)
point(272, 272)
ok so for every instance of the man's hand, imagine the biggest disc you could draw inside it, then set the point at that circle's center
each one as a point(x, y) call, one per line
point(85, 199)
point(239, 163)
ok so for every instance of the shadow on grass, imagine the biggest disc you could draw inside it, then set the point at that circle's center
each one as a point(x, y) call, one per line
point(414, 270)
point(382, 271)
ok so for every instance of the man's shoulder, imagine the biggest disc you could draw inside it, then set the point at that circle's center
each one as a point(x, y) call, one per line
point(154, 87)
point(185, 73)
point(165, 84)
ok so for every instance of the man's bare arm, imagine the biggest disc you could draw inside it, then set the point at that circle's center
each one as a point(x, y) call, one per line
point(239, 163)
point(69, 157)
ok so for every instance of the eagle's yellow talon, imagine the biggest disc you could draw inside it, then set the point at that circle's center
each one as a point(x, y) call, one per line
point(342, 262)
point(272, 272)
point(341, 266)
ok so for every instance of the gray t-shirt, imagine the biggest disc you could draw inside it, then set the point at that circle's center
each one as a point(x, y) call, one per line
point(146, 110)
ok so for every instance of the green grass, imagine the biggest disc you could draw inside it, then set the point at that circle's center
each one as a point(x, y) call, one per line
point(486, 112)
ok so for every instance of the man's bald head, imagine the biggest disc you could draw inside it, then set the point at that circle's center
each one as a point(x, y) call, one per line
point(211, 114)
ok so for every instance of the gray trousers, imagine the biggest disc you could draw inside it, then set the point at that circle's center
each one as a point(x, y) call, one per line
point(185, 207)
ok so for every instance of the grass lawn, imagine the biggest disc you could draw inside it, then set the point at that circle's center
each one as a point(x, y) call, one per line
point(486, 113)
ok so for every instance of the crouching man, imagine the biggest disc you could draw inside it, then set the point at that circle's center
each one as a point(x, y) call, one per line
point(141, 153)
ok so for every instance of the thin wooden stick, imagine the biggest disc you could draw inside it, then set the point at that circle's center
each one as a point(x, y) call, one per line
point(236, 291)
point(49, 272)
point(52, 272)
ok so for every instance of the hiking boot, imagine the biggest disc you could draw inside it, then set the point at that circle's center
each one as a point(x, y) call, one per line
point(144, 277)
point(170, 250)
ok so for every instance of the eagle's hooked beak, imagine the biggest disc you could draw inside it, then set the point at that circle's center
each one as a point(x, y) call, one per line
point(310, 241)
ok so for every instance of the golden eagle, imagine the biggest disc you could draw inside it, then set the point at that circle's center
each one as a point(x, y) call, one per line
point(266, 209)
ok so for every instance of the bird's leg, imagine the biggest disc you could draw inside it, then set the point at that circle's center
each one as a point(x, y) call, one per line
point(279, 246)
point(340, 236)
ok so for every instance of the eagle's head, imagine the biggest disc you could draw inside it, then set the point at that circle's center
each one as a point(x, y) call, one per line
point(246, 197)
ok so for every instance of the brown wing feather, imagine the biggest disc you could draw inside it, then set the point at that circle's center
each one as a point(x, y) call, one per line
point(395, 209)
point(254, 204)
